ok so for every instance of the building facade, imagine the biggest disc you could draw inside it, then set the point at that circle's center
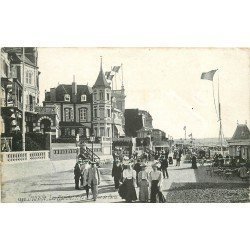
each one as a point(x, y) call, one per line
point(19, 72)
point(68, 108)
point(239, 144)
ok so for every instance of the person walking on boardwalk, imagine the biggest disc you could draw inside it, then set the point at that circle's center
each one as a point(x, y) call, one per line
point(155, 182)
point(129, 183)
point(164, 167)
point(77, 173)
point(84, 175)
point(137, 168)
point(117, 173)
point(194, 163)
point(143, 184)
point(93, 179)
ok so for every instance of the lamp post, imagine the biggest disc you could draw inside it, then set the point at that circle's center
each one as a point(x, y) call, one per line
point(92, 139)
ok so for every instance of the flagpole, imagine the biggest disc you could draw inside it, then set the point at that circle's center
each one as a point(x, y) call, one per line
point(23, 118)
point(122, 73)
point(220, 129)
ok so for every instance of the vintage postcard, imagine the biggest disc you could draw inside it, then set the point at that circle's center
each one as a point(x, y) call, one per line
point(127, 125)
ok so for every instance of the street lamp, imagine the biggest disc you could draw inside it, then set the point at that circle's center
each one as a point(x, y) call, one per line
point(92, 139)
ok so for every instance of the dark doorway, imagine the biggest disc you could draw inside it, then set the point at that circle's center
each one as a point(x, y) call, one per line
point(45, 126)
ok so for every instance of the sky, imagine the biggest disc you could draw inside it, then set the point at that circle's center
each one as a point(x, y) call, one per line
point(164, 81)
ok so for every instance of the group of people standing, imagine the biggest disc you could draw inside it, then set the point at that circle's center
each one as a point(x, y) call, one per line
point(88, 176)
point(128, 176)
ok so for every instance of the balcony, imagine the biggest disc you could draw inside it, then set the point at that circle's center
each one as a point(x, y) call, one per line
point(46, 110)
point(12, 104)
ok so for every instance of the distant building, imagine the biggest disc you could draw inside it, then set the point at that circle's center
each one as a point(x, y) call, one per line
point(158, 135)
point(138, 123)
point(72, 105)
point(76, 109)
point(239, 144)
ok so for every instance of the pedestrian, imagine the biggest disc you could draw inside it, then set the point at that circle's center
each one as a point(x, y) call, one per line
point(155, 182)
point(243, 172)
point(194, 163)
point(93, 179)
point(164, 167)
point(84, 175)
point(143, 184)
point(137, 168)
point(129, 182)
point(77, 173)
point(117, 173)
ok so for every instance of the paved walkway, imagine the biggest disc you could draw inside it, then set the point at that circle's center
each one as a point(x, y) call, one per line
point(54, 182)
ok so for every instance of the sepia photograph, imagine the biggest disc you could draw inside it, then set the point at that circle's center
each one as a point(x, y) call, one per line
point(125, 125)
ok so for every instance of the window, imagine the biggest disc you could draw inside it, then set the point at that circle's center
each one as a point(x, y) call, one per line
point(96, 134)
point(108, 112)
point(95, 113)
point(102, 113)
point(101, 95)
point(28, 77)
point(67, 98)
point(82, 114)
point(102, 131)
point(108, 95)
point(83, 98)
point(95, 96)
point(68, 115)
point(108, 132)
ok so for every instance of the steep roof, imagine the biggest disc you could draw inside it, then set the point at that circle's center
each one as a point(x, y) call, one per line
point(241, 133)
point(101, 80)
point(63, 89)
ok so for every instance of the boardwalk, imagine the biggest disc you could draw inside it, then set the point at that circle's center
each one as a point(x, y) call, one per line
point(57, 185)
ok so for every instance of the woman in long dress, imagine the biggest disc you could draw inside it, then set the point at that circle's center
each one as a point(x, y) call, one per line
point(143, 184)
point(129, 182)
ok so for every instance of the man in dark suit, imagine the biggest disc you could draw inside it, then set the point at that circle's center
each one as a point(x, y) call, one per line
point(117, 173)
point(77, 173)
point(164, 167)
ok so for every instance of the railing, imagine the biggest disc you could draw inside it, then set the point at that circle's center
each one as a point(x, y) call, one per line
point(89, 154)
point(46, 110)
point(30, 107)
point(105, 139)
point(12, 103)
point(14, 157)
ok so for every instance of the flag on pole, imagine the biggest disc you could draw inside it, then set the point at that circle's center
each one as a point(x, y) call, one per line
point(107, 74)
point(208, 75)
point(116, 68)
point(110, 77)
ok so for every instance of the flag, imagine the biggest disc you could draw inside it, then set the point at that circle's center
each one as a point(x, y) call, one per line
point(116, 68)
point(110, 77)
point(208, 75)
point(107, 74)
point(184, 128)
point(190, 135)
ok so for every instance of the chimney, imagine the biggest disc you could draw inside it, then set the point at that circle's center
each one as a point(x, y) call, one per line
point(52, 94)
point(74, 91)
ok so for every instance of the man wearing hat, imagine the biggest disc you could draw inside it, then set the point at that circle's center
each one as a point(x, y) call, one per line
point(77, 173)
point(93, 179)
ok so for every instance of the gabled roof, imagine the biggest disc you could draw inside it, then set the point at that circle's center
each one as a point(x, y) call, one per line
point(18, 58)
point(101, 80)
point(63, 89)
point(241, 133)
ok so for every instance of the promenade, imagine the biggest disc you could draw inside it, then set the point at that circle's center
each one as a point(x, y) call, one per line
point(53, 181)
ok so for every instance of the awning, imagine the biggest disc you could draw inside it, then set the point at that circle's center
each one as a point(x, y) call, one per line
point(120, 130)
